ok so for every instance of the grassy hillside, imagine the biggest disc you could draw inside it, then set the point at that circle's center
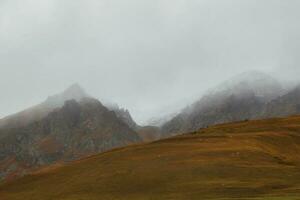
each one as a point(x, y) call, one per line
point(248, 160)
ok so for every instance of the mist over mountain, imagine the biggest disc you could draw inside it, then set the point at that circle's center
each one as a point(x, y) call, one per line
point(41, 110)
point(160, 120)
point(250, 95)
point(260, 84)
point(73, 92)
point(72, 124)
point(180, 99)
point(66, 126)
point(35, 113)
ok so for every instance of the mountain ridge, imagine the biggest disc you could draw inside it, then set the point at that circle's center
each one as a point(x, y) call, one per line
point(77, 129)
point(243, 98)
point(39, 111)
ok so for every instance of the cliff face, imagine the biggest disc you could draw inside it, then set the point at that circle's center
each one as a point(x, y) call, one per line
point(75, 130)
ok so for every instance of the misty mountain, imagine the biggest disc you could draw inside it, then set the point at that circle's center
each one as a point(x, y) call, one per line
point(77, 129)
point(241, 98)
point(40, 111)
point(260, 84)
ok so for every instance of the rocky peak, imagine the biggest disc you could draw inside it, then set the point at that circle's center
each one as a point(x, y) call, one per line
point(73, 92)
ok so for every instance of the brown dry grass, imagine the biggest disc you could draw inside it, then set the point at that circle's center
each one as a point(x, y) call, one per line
point(247, 160)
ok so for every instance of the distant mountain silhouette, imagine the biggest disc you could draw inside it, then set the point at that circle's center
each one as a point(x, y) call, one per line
point(241, 98)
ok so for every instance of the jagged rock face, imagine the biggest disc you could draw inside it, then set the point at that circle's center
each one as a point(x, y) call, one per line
point(77, 129)
point(123, 114)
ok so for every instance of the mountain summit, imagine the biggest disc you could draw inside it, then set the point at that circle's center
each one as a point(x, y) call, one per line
point(241, 98)
point(260, 84)
point(73, 92)
point(41, 110)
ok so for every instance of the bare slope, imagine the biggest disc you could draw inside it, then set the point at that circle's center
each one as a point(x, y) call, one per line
point(255, 160)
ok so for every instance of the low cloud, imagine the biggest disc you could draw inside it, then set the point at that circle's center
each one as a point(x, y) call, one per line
point(151, 57)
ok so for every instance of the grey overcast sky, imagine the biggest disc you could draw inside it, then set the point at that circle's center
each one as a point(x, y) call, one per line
point(150, 56)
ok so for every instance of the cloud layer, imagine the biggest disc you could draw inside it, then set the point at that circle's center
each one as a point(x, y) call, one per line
point(152, 57)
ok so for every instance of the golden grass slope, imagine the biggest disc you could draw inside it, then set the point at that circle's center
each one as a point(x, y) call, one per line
point(247, 160)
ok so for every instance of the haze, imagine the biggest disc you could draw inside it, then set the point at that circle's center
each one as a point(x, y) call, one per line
point(152, 57)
